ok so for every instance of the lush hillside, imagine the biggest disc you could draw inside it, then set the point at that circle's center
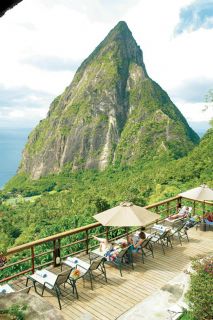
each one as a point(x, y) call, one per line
point(112, 117)
point(75, 197)
point(112, 113)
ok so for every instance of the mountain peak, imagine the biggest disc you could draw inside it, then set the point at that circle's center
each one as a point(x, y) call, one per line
point(121, 24)
point(121, 27)
point(112, 112)
point(121, 32)
point(121, 41)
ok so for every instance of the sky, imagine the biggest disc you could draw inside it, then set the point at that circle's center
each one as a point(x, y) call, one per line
point(43, 42)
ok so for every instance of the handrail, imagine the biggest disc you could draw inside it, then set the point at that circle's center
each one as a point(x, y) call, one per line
point(201, 201)
point(89, 226)
point(162, 202)
point(57, 246)
point(51, 238)
point(74, 231)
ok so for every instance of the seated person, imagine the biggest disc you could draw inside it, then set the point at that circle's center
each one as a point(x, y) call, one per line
point(112, 253)
point(183, 213)
point(110, 250)
point(136, 236)
point(136, 245)
point(209, 216)
point(104, 244)
point(192, 221)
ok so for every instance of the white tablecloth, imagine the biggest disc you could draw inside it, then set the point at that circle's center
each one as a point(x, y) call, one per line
point(44, 275)
point(160, 228)
point(74, 261)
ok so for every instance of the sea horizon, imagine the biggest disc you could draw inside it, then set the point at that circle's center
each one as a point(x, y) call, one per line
point(13, 140)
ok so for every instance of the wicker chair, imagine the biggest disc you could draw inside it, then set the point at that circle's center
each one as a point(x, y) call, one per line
point(181, 233)
point(62, 278)
point(124, 258)
point(163, 239)
point(147, 248)
point(88, 271)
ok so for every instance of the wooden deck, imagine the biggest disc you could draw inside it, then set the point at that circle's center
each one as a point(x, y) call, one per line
point(112, 299)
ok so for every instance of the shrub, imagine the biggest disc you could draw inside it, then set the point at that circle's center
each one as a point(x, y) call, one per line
point(186, 316)
point(16, 311)
point(200, 293)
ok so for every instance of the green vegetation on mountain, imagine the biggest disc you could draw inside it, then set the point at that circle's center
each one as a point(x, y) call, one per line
point(112, 113)
point(68, 200)
point(113, 135)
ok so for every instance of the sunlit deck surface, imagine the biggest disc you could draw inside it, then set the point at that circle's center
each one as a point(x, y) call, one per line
point(110, 300)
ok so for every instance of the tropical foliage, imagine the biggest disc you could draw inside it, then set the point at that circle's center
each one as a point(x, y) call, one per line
point(35, 209)
point(200, 294)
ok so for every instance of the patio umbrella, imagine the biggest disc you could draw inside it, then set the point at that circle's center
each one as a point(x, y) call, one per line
point(126, 215)
point(202, 193)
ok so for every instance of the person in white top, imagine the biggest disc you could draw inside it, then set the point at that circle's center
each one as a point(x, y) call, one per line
point(104, 244)
point(183, 213)
point(110, 250)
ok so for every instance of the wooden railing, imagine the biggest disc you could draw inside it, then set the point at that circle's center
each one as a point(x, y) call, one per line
point(48, 251)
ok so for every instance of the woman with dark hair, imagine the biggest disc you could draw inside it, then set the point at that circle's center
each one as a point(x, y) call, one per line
point(136, 245)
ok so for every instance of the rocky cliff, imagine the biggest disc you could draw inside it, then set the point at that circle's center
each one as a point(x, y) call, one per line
point(112, 112)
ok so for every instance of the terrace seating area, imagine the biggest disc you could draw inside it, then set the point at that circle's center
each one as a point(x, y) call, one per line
point(109, 300)
point(108, 290)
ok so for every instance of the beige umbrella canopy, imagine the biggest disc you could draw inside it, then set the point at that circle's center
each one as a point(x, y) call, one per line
point(126, 215)
point(202, 193)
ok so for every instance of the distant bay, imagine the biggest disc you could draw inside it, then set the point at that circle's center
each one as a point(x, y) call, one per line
point(12, 143)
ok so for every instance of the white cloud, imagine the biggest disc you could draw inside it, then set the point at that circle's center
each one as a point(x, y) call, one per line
point(195, 112)
point(67, 31)
point(22, 116)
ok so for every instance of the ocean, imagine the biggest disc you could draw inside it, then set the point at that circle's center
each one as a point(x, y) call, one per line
point(12, 143)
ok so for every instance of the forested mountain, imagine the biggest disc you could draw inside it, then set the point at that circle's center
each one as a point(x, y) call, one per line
point(69, 200)
point(112, 117)
point(111, 113)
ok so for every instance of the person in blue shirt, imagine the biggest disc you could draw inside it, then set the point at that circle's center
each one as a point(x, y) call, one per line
point(136, 245)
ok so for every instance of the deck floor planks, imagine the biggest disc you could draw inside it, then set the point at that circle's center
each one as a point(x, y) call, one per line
point(84, 307)
point(109, 300)
point(98, 302)
point(115, 297)
point(112, 297)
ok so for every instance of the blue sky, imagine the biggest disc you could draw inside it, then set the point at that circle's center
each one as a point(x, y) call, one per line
point(43, 42)
point(196, 15)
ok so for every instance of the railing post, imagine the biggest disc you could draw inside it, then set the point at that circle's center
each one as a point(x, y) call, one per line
point(59, 252)
point(167, 208)
point(156, 209)
point(56, 253)
point(204, 207)
point(194, 205)
point(87, 242)
point(178, 204)
point(33, 259)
